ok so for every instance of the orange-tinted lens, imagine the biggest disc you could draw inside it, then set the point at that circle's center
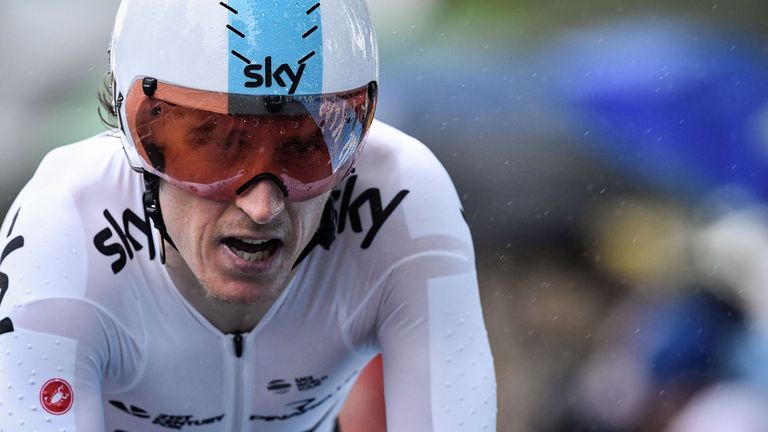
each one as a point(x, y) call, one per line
point(188, 138)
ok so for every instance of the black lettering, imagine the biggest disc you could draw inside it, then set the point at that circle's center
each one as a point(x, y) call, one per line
point(279, 72)
point(172, 421)
point(6, 325)
point(345, 198)
point(110, 249)
point(128, 243)
point(379, 215)
point(251, 72)
point(144, 225)
point(268, 71)
point(133, 410)
point(13, 245)
point(120, 233)
point(294, 77)
point(302, 407)
point(264, 75)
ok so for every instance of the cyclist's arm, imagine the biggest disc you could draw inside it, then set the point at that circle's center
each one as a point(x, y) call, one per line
point(52, 367)
point(438, 369)
point(50, 332)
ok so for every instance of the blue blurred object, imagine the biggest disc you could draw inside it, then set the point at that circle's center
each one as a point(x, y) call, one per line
point(676, 103)
point(693, 337)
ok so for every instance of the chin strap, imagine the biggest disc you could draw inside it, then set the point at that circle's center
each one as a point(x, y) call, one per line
point(152, 207)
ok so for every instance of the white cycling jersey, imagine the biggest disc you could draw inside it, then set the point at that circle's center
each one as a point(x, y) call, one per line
point(94, 336)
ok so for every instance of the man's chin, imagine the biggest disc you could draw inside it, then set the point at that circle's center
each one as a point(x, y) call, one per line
point(246, 293)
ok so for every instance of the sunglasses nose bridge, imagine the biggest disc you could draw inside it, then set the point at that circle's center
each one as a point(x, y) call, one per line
point(263, 200)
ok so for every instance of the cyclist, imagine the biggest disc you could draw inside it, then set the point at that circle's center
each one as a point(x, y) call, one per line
point(261, 257)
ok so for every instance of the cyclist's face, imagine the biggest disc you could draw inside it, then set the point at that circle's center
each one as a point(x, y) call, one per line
point(241, 251)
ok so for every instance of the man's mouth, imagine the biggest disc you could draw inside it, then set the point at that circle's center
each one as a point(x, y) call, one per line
point(252, 250)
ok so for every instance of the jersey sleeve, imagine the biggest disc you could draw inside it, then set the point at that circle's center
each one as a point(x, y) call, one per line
point(52, 368)
point(53, 341)
point(438, 367)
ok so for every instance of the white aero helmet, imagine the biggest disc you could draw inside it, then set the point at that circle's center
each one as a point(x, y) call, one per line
point(215, 96)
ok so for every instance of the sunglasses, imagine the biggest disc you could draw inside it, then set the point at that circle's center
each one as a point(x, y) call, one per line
point(218, 145)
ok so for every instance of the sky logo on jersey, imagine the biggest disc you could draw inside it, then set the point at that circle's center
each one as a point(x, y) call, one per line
point(6, 325)
point(119, 241)
point(56, 396)
point(259, 31)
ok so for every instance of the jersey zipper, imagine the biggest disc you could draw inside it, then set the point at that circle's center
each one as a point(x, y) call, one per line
point(238, 342)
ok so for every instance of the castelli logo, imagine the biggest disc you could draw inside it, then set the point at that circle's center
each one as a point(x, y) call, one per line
point(56, 396)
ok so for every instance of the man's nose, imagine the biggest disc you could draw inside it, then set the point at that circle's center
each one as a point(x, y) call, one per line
point(262, 202)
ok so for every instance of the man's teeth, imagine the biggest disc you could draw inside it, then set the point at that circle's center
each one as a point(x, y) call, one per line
point(257, 256)
point(253, 242)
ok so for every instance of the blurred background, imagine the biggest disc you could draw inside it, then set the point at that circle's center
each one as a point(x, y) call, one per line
point(612, 157)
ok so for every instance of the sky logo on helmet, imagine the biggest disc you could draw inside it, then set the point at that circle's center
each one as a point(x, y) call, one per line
point(287, 36)
point(264, 75)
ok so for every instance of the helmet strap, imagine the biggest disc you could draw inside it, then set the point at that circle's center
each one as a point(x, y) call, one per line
point(152, 208)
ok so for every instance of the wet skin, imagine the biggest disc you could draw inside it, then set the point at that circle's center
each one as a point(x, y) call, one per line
point(234, 293)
